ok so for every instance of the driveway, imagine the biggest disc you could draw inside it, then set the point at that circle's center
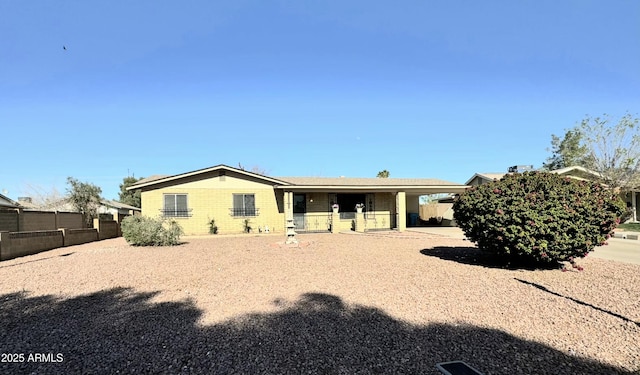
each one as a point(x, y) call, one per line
point(620, 250)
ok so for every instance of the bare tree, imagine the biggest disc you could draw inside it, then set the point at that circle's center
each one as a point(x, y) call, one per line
point(613, 150)
point(44, 198)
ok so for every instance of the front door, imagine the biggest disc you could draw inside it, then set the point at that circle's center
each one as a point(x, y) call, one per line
point(299, 210)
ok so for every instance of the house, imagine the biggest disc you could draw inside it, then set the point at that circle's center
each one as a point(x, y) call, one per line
point(114, 210)
point(631, 197)
point(8, 203)
point(237, 199)
point(117, 209)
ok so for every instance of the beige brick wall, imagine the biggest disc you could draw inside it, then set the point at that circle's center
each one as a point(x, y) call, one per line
point(212, 198)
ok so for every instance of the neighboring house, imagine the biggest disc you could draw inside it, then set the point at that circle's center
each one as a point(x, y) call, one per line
point(231, 196)
point(8, 203)
point(117, 209)
point(631, 197)
point(112, 208)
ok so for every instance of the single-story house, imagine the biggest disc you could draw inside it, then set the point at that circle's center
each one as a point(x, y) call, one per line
point(631, 197)
point(8, 203)
point(236, 198)
point(117, 209)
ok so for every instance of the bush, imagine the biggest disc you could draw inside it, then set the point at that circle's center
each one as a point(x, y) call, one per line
point(538, 217)
point(147, 231)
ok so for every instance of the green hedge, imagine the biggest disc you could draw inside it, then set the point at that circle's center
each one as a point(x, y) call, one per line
point(147, 231)
point(538, 217)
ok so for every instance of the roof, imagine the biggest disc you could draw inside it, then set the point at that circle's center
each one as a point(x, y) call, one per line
point(157, 179)
point(568, 171)
point(375, 183)
point(8, 202)
point(116, 204)
point(323, 183)
point(486, 176)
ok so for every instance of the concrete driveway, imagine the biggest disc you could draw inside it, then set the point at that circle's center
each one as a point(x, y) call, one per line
point(620, 250)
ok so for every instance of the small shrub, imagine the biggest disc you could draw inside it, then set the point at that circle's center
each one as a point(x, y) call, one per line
point(538, 217)
point(147, 231)
point(247, 225)
point(213, 228)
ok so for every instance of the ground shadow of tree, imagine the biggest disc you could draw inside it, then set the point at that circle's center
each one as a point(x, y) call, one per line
point(476, 257)
point(120, 330)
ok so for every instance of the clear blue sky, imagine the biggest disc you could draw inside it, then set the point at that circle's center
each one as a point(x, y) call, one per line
point(439, 89)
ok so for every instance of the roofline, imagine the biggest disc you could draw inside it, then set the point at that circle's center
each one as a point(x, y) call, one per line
point(482, 175)
point(206, 170)
point(377, 188)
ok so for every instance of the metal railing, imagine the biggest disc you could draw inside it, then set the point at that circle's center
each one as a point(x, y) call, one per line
point(176, 213)
point(244, 212)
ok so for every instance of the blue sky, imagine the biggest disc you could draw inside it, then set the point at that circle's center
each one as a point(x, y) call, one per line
point(439, 89)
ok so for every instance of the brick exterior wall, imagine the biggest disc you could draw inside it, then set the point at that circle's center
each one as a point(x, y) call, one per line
point(212, 198)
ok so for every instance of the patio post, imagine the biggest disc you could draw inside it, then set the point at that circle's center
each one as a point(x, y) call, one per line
point(401, 211)
point(634, 205)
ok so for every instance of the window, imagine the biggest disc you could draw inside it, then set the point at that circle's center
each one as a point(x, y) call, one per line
point(175, 205)
point(244, 205)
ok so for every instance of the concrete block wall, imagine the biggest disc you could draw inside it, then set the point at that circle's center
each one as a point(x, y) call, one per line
point(9, 221)
point(79, 236)
point(106, 228)
point(71, 220)
point(17, 244)
point(37, 220)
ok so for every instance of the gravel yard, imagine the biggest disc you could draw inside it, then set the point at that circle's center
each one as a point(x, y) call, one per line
point(339, 304)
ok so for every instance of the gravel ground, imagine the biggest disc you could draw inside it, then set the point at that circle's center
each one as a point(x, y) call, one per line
point(338, 304)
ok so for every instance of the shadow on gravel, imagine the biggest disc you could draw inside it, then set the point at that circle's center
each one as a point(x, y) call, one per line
point(476, 257)
point(545, 289)
point(120, 330)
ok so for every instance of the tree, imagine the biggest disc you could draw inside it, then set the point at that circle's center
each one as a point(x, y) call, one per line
point(130, 197)
point(44, 198)
point(383, 174)
point(85, 198)
point(613, 150)
point(567, 151)
point(255, 169)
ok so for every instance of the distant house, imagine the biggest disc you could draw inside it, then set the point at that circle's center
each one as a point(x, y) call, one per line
point(113, 209)
point(7, 203)
point(235, 198)
point(631, 197)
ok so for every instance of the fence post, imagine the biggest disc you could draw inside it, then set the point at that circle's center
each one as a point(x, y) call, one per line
point(65, 232)
point(96, 226)
point(5, 245)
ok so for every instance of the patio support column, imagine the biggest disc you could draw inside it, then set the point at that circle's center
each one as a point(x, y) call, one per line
point(634, 205)
point(401, 211)
point(288, 206)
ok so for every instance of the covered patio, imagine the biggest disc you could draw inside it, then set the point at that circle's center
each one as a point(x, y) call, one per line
point(321, 204)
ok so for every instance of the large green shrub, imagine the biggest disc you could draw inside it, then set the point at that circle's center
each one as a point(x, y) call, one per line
point(147, 231)
point(538, 217)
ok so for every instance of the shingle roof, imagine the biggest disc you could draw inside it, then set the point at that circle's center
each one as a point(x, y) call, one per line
point(375, 181)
